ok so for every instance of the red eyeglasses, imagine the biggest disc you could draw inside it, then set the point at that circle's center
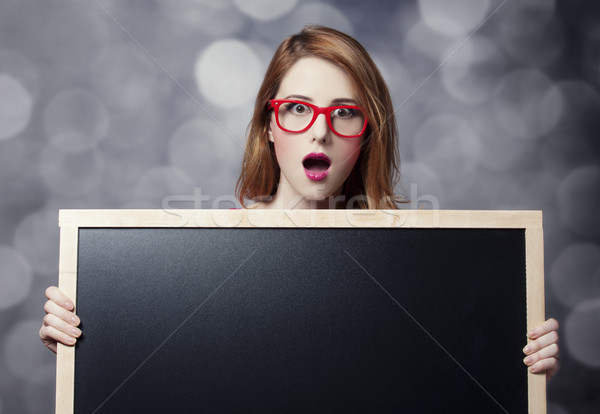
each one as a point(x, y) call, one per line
point(347, 121)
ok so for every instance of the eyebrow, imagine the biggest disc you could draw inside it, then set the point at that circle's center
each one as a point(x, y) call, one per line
point(335, 101)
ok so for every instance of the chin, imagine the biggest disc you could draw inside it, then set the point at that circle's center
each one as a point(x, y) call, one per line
point(319, 196)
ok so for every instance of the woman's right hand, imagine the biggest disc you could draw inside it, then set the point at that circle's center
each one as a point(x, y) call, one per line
point(60, 323)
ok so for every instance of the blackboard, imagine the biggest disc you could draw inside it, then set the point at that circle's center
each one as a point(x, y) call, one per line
point(184, 313)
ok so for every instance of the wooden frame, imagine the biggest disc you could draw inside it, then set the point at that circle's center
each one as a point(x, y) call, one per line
point(71, 220)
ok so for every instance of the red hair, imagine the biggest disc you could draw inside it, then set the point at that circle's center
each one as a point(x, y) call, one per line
point(376, 172)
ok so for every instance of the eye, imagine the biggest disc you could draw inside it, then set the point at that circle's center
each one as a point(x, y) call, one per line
point(344, 113)
point(297, 108)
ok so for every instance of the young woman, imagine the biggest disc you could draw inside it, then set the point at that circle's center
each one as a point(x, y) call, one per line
point(323, 135)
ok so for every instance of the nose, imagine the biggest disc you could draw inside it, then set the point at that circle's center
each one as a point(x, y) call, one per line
point(319, 131)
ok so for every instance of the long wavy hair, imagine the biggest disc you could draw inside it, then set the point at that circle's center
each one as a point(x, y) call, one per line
point(373, 178)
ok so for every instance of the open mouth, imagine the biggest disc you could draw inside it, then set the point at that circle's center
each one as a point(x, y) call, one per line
point(316, 166)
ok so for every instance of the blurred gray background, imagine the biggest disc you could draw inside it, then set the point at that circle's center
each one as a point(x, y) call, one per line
point(119, 104)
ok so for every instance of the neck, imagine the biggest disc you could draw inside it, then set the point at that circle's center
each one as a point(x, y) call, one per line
point(287, 199)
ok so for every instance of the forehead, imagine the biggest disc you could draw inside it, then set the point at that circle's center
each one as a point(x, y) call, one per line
point(318, 79)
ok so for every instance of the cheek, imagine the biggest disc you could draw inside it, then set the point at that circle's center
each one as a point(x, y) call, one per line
point(284, 146)
point(351, 153)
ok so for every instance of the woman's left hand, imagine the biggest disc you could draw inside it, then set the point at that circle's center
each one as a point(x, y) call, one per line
point(542, 352)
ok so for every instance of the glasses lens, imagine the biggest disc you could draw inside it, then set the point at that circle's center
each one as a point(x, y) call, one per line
point(294, 116)
point(347, 120)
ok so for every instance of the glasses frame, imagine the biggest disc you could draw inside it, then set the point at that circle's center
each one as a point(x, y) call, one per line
point(317, 110)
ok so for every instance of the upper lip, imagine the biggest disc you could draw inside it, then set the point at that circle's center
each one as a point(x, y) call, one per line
point(317, 156)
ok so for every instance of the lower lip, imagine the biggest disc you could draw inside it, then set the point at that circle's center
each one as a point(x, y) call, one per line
point(316, 176)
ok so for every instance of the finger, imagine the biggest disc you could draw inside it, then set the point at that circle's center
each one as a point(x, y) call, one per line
point(550, 351)
point(52, 346)
point(552, 371)
point(51, 333)
point(48, 343)
point(547, 364)
point(56, 295)
point(52, 308)
point(55, 322)
point(544, 328)
point(541, 342)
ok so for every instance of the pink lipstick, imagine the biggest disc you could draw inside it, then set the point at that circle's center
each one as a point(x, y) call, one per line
point(316, 166)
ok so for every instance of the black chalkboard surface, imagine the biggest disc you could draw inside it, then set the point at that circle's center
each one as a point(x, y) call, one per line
point(309, 319)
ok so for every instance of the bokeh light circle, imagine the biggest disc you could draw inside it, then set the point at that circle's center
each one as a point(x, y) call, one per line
point(453, 17)
point(158, 184)
point(579, 200)
point(17, 65)
point(448, 145)
point(591, 45)
point(581, 333)
point(76, 120)
point(543, 9)
point(37, 237)
point(501, 151)
point(228, 73)
point(527, 104)
point(188, 17)
point(530, 33)
point(472, 69)
point(426, 42)
point(265, 10)
point(420, 185)
point(573, 141)
point(15, 107)
point(125, 76)
point(123, 170)
point(15, 277)
point(305, 13)
point(205, 153)
point(534, 47)
point(320, 13)
point(396, 77)
point(582, 103)
point(24, 355)
point(533, 190)
point(575, 274)
point(66, 35)
point(71, 174)
point(131, 128)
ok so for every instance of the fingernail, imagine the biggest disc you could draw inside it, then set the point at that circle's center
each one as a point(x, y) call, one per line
point(533, 369)
point(76, 331)
point(75, 320)
point(68, 304)
point(528, 360)
point(71, 340)
point(532, 334)
point(527, 349)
